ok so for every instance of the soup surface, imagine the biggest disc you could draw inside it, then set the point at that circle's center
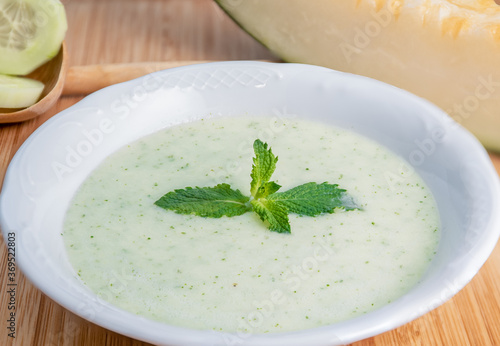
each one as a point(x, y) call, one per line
point(233, 274)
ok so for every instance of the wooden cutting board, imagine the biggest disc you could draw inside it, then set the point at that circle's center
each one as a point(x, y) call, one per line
point(179, 32)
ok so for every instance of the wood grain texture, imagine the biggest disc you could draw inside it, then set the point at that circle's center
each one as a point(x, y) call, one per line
point(122, 31)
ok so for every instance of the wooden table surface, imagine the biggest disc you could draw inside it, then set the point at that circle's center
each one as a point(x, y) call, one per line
point(124, 31)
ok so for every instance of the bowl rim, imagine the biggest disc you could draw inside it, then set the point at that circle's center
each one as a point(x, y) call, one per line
point(339, 333)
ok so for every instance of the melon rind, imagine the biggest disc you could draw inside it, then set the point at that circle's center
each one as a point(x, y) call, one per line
point(446, 51)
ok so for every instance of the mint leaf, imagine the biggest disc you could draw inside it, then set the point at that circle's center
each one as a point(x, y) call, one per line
point(264, 164)
point(274, 213)
point(267, 189)
point(312, 199)
point(214, 202)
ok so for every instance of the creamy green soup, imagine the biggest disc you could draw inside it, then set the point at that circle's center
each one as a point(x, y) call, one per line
point(232, 274)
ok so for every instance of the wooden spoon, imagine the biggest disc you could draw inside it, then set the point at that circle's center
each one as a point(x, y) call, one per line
point(83, 80)
point(52, 74)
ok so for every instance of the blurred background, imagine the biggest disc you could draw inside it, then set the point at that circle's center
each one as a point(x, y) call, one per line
point(119, 31)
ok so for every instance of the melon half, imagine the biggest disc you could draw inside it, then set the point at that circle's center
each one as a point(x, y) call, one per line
point(447, 51)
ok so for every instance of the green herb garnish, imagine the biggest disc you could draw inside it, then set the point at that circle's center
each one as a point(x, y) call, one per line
point(309, 199)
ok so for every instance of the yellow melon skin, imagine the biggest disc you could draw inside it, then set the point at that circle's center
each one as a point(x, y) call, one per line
point(447, 51)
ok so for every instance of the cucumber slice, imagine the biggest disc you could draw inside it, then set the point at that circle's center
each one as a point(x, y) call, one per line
point(19, 92)
point(31, 33)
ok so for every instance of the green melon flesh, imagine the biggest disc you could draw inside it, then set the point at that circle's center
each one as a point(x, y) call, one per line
point(19, 92)
point(31, 33)
point(447, 51)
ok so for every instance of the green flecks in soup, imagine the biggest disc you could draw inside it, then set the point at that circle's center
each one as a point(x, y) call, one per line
point(230, 273)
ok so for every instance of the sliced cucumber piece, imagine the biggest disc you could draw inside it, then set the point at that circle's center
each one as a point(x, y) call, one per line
point(19, 92)
point(31, 33)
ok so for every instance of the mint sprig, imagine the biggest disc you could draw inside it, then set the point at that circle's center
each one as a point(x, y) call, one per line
point(273, 207)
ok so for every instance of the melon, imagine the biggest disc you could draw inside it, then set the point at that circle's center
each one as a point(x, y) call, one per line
point(19, 92)
point(447, 51)
point(31, 33)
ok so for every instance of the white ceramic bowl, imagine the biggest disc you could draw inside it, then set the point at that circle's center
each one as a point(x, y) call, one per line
point(54, 161)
